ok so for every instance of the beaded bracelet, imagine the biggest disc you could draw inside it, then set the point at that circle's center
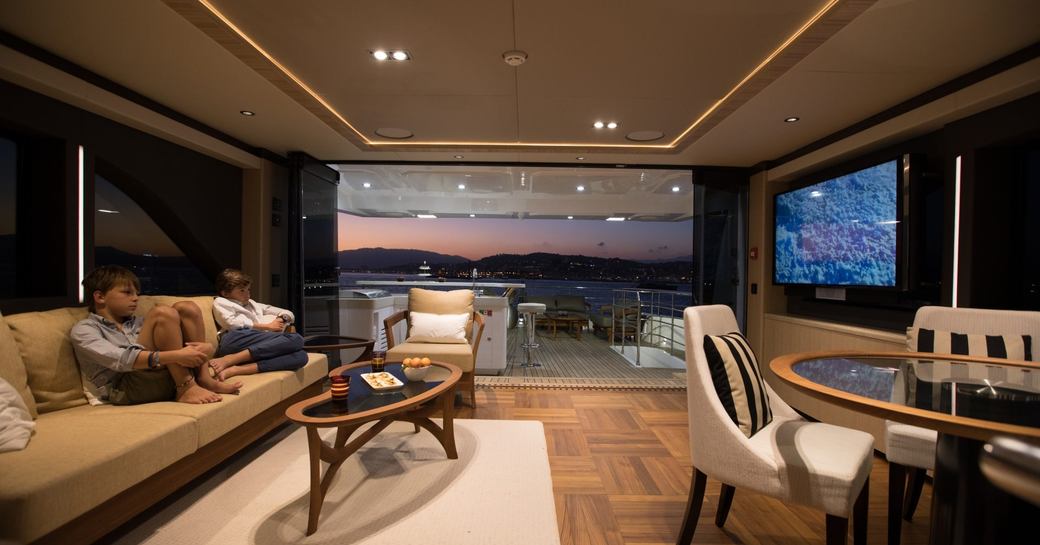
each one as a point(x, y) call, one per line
point(153, 360)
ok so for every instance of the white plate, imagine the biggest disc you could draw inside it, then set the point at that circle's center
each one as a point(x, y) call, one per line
point(382, 381)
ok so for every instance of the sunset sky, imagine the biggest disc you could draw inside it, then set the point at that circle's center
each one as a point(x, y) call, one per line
point(474, 238)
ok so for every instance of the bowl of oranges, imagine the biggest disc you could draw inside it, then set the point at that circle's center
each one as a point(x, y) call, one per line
point(415, 369)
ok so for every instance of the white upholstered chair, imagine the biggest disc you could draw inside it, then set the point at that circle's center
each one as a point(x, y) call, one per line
point(910, 450)
point(814, 464)
point(459, 352)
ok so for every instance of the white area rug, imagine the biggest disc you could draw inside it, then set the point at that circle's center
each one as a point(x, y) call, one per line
point(397, 490)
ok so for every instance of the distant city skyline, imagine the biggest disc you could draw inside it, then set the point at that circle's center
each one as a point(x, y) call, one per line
point(476, 238)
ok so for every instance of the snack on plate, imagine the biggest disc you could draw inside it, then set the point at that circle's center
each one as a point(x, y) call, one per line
point(381, 380)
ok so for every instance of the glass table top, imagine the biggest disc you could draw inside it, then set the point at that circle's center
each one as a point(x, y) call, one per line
point(363, 398)
point(999, 393)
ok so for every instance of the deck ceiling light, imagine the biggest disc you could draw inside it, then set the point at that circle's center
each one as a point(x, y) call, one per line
point(598, 124)
point(791, 119)
point(580, 158)
point(570, 217)
point(247, 113)
point(612, 125)
point(616, 218)
point(675, 189)
point(472, 215)
point(462, 186)
point(580, 188)
point(426, 216)
point(459, 156)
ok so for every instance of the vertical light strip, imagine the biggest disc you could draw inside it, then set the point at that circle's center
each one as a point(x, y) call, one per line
point(956, 226)
point(82, 217)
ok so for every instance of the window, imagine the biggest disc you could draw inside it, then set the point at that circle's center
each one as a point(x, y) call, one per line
point(125, 235)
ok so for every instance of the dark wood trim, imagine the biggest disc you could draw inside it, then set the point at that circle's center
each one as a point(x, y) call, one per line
point(1000, 65)
point(93, 78)
point(108, 516)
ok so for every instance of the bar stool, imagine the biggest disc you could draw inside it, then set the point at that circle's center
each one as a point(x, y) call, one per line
point(530, 311)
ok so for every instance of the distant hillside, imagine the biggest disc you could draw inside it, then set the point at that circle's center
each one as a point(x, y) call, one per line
point(685, 259)
point(381, 258)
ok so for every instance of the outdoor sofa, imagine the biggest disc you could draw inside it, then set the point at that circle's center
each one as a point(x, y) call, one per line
point(87, 469)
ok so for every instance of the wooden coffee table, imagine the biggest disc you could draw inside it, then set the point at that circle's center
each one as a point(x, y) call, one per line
point(415, 402)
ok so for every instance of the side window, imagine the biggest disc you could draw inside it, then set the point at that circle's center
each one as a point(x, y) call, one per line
point(125, 235)
point(8, 218)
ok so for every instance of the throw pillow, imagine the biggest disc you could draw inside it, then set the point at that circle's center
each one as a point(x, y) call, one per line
point(438, 326)
point(1014, 347)
point(737, 381)
point(16, 425)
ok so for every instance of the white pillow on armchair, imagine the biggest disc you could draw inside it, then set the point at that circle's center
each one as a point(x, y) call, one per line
point(439, 326)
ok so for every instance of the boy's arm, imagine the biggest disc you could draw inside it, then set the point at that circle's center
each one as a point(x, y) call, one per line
point(271, 310)
point(92, 347)
point(225, 315)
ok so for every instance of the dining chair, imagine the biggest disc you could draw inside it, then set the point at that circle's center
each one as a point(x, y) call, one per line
point(439, 310)
point(809, 463)
point(910, 450)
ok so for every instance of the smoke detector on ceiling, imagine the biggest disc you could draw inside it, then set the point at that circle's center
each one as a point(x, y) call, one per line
point(514, 57)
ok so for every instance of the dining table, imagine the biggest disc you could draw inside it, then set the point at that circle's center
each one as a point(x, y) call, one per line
point(967, 400)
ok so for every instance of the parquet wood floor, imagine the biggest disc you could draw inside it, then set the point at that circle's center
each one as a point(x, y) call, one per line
point(621, 473)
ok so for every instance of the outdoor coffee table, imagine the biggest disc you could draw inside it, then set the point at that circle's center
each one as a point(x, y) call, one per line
point(414, 402)
point(569, 321)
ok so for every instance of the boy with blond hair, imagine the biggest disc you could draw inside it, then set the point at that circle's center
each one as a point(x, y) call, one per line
point(127, 359)
point(252, 337)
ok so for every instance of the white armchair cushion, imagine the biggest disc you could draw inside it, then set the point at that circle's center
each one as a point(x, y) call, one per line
point(1015, 347)
point(737, 381)
point(439, 326)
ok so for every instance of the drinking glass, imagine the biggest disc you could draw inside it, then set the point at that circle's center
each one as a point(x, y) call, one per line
point(378, 361)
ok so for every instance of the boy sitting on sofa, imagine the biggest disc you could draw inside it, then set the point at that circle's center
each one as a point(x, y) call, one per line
point(252, 335)
point(128, 359)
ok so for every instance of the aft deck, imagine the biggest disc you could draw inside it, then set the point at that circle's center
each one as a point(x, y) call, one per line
point(571, 363)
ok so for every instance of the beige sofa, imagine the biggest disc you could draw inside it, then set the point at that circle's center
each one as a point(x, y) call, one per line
point(88, 469)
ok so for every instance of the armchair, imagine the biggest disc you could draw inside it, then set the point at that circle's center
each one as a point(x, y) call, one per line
point(462, 353)
point(815, 464)
point(910, 450)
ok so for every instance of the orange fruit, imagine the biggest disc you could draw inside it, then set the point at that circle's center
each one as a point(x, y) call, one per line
point(425, 361)
point(407, 362)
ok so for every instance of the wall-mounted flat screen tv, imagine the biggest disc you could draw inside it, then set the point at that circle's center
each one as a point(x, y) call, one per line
point(840, 232)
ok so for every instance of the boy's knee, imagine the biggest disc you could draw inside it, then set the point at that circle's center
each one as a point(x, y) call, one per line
point(296, 340)
point(164, 313)
point(187, 309)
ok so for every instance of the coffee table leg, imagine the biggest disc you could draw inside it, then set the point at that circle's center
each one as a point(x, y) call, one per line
point(448, 424)
point(314, 445)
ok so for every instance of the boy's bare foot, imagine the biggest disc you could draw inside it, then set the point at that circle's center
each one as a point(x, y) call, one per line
point(211, 383)
point(232, 371)
point(219, 364)
point(197, 395)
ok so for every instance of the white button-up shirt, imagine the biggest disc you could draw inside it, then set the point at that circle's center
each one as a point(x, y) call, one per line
point(231, 314)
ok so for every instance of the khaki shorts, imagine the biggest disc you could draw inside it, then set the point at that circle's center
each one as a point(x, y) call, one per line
point(142, 386)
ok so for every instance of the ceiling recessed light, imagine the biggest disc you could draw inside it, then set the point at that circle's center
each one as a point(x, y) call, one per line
point(247, 113)
point(472, 215)
point(394, 134)
point(459, 156)
point(612, 125)
point(581, 188)
point(616, 218)
point(426, 216)
point(598, 124)
point(580, 158)
point(570, 217)
point(791, 119)
point(675, 189)
point(462, 186)
point(366, 185)
point(514, 57)
point(380, 55)
point(400, 55)
point(644, 136)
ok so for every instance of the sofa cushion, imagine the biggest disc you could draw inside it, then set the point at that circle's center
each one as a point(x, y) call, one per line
point(440, 302)
point(77, 459)
point(43, 342)
point(205, 302)
point(460, 355)
point(12, 368)
point(316, 368)
point(212, 420)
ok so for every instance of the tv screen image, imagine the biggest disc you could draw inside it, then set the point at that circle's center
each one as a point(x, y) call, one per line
point(839, 232)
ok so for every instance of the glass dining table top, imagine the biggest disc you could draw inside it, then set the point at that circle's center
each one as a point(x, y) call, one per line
point(987, 391)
